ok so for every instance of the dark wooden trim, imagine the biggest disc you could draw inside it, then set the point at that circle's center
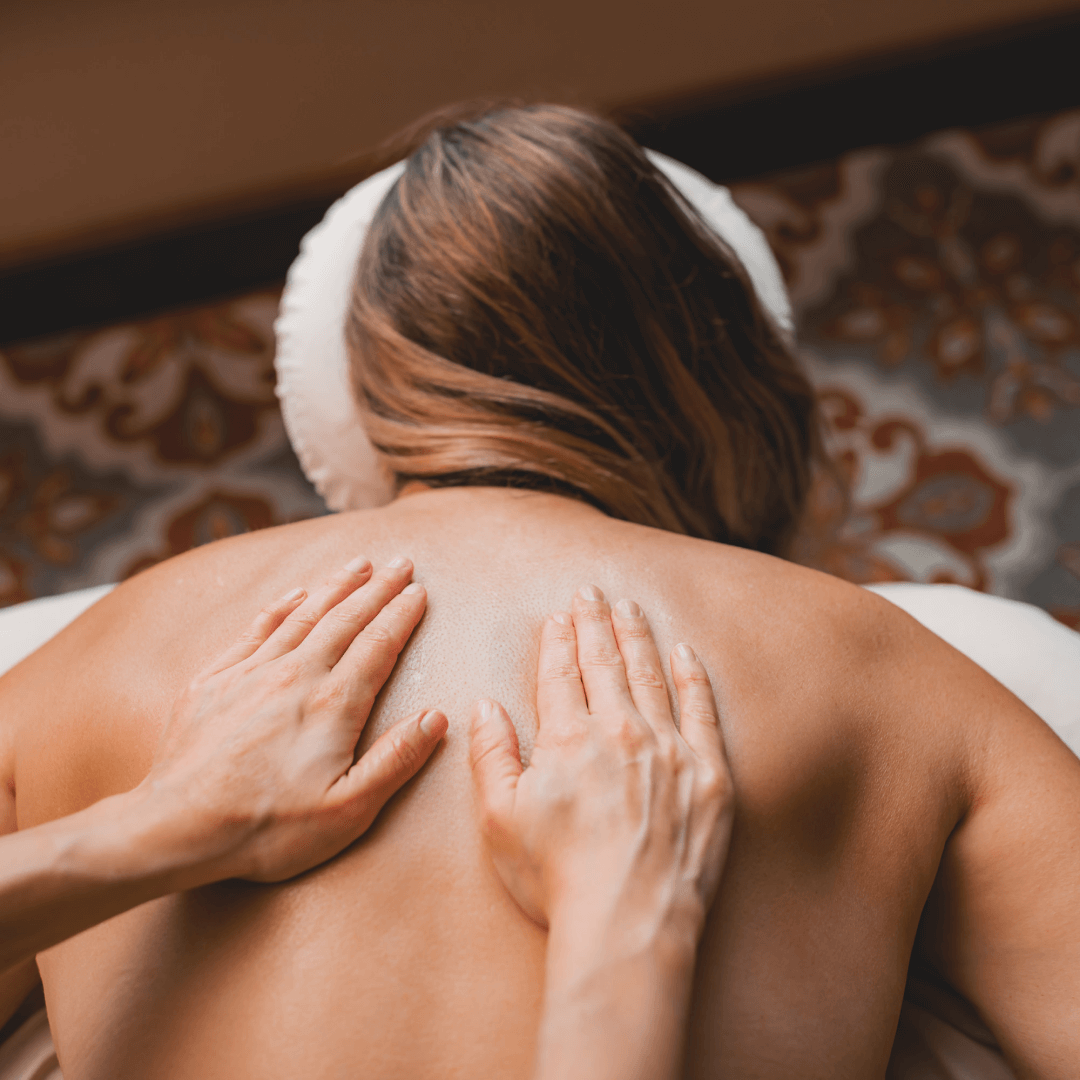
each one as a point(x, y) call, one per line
point(728, 135)
point(153, 275)
point(749, 131)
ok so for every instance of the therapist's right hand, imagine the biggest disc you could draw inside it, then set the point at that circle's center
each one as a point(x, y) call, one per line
point(259, 752)
point(619, 812)
point(614, 837)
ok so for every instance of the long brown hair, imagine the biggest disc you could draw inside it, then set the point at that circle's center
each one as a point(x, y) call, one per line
point(536, 305)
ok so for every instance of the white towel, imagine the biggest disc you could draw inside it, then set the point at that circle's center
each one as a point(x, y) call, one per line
point(29, 1053)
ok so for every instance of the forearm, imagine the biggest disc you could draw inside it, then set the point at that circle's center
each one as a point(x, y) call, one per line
point(616, 1000)
point(63, 877)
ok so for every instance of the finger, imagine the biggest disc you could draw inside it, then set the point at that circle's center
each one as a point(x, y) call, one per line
point(359, 675)
point(301, 622)
point(644, 674)
point(265, 623)
point(391, 761)
point(495, 759)
point(338, 628)
point(601, 664)
point(560, 697)
point(699, 719)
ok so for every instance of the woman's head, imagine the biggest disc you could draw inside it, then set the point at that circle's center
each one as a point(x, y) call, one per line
point(536, 306)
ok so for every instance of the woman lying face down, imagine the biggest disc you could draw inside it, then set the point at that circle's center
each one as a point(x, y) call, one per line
point(588, 390)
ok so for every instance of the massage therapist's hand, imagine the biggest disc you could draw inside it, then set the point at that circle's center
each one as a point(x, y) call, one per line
point(255, 774)
point(259, 750)
point(614, 837)
point(616, 799)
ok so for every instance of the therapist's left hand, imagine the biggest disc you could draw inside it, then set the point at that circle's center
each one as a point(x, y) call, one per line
point(258, 756)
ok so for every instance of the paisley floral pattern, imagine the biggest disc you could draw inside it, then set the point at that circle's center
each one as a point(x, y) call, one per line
point(937, 294)
point(124, 446)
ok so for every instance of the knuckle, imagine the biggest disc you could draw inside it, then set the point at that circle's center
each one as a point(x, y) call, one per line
point(560, 671)
point(646, 677)
point(405, 754)
point(574, 733)
point(628, 733)
point(329, 697)
point(699, 713)
point(591, 610)
point(197, 683)
point(290, 672)
point(481, 747)
point(715, 785)
point(672, 755)
point(563, 636)
point(390, 579)
point(696, 677)
point(571, 739)
point(345, 581)
point(492, 825)
point(270, 611)
point(635, 628)
point(337, 625)
point(601, 657)
point(397, 618)
point(379, 635)
point(306, 618)
point(256, 631)
point(341, 621)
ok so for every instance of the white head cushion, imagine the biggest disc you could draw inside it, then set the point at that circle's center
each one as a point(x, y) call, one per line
point(321, 416)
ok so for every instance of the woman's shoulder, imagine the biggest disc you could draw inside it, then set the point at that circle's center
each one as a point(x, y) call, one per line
point(92, 699)
point(828, 669)
point(775, 599)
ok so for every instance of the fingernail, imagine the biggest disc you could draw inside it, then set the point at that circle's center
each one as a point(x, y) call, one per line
point(590, 592)
point(627, 609)
point(413, 588)
point(487, 710)
point(296, 594)
point(357, 564)
point(433, 723)
point(562, 618)
point(684, 652)
point(397, 563)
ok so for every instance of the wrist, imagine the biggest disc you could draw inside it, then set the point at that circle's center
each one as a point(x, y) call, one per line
point(636, 915)
point(587, 936)
point(170, 842)
point(61, 877)
point(616, 994)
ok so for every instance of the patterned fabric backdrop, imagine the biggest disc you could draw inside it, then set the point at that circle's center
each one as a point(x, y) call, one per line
point(937, 291)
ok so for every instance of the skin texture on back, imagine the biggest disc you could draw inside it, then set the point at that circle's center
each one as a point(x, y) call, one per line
point(405, 956)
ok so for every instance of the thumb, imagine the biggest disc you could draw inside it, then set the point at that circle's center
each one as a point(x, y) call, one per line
point(495, 759)
point(393, 760)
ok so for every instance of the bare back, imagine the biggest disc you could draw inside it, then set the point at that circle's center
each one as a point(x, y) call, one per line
point(404, 956)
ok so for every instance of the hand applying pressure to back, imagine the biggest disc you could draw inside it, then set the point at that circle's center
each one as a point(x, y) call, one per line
point(614, 837)
point(255, 774)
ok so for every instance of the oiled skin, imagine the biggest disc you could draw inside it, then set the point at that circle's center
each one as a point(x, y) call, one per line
point(404, 956)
